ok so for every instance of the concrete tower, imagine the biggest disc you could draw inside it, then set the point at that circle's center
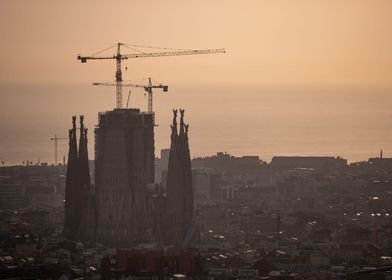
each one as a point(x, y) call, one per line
point(124, 166)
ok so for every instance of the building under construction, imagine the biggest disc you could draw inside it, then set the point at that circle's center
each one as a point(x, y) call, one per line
point(124, 166)
point(120, 210)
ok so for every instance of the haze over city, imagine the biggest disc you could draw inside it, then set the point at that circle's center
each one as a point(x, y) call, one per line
point(206, 140)
point(298, 78)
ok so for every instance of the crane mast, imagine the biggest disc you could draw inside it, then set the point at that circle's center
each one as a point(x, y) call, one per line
point(148, 89)
point(55, 139)
point(118, 78)
point(119, 57)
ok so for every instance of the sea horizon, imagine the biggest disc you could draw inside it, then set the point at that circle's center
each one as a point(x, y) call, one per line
point(266, 121)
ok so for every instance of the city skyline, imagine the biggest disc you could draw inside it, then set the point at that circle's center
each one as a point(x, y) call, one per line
point(127, 155)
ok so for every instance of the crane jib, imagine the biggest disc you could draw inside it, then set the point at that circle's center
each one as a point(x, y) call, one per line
point(119, 85)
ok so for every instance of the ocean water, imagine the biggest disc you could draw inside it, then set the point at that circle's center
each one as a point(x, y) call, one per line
point(240, 120)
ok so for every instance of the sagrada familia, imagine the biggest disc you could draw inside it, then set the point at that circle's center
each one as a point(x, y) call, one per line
point(124, 208)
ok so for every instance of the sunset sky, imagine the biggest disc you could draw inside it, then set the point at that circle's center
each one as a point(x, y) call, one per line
point(330, 42)
point(337, 46)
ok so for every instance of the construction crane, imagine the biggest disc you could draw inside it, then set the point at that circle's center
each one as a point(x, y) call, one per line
point(148, 88)
point(55, 139)
point(119, 57)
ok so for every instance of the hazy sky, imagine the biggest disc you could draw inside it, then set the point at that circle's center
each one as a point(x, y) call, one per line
point(331, 42)
point(299, 77)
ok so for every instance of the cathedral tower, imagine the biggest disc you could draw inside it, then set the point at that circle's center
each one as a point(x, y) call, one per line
point(179, 185)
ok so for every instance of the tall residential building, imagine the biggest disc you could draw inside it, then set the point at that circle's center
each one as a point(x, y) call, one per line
point(202, 185)
point(124, 166)
point(165, 154)
point(161, 167)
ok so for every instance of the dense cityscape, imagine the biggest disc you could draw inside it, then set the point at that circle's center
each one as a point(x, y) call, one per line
point(291, 218)
point(217, 140)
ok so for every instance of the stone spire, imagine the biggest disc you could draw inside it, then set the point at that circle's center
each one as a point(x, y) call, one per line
point(77, 189)
point(87, 205)
point(179, 184)
point(174, 126)
point(84, 172)
point(187, 174)
point(71, 182)
point(83, 186)
point(182, 129)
